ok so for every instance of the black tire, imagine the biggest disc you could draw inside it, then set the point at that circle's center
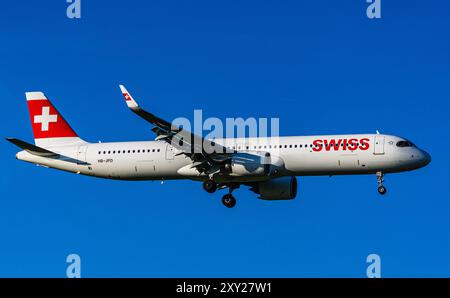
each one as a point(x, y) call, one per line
point(229, 201)
point(209, 186)
point(382, 190)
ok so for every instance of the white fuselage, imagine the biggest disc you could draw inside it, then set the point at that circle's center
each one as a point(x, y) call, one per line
point(300, 156)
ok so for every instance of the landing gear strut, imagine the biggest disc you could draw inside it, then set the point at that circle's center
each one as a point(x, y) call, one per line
point(381, 189)
point(210, 186)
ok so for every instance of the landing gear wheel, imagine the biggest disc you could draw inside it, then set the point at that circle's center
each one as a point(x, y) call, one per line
point(229, 201)
point(382, 190)
point(210, 186)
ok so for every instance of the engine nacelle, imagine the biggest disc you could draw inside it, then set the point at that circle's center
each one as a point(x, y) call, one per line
point(284, 188)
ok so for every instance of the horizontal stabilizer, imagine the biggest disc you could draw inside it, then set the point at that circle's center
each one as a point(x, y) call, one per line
point(32, 149)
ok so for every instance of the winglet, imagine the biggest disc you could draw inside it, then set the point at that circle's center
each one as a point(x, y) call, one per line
point(131, 103)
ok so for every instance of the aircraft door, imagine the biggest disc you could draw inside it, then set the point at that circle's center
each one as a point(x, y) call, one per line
point(81, 157)
point(378, 147)
point(170, 152)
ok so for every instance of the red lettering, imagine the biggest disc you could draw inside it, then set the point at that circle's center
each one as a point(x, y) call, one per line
point(364, 144)
point(317, 145)
point(345, 144)
point(332, 142)
point(352, 144)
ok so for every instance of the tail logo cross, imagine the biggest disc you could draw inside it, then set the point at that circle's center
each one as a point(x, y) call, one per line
point(45, 119)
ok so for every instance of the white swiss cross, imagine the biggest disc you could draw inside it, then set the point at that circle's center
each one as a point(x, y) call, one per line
point(45, 118)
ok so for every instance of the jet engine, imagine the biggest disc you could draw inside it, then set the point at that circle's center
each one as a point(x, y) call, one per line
point(284, 188)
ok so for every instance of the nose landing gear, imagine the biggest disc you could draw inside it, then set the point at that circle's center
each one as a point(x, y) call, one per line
point(381, 189)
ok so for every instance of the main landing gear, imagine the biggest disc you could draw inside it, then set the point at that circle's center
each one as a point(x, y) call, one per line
point(210, 186)
point(228, 200)
point(381, 189)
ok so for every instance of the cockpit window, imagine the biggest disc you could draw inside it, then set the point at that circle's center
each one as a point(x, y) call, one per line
point(405, 144)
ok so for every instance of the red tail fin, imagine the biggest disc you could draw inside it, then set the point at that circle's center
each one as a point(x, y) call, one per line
point(48, 124)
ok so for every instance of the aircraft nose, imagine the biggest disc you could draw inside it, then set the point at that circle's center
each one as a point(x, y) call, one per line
point(426, 157)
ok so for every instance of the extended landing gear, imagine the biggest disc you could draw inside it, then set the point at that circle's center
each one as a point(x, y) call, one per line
point(381, 189)
point(210, 186)
point(228, 200)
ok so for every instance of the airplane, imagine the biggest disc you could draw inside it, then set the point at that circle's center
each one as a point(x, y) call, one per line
point(268, 166)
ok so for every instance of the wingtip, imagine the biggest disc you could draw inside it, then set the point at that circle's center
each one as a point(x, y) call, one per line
point(131, 103)
point(11, 140)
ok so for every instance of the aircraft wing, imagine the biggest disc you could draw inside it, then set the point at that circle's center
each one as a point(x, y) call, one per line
point(208, 156)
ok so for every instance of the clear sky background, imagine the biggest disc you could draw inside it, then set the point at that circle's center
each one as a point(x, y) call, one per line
point(322, 67)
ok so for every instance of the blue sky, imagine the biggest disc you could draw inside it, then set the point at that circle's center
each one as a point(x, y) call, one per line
point(322, 67)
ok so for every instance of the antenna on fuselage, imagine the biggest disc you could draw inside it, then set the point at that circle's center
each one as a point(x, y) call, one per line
point(378, 132)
